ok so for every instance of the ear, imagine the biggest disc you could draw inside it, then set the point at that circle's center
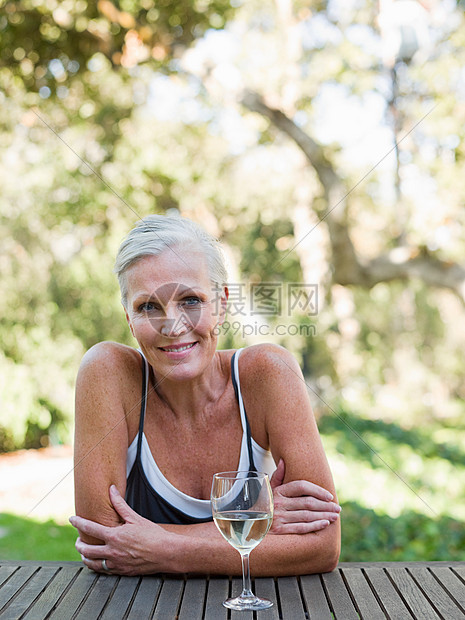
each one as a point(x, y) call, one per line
point(223, 306)
point(129, 322)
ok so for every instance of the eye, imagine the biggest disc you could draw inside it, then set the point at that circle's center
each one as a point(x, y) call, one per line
point(191, 302)
point(148, 306)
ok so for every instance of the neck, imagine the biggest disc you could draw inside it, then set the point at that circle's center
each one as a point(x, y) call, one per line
point(190, 399)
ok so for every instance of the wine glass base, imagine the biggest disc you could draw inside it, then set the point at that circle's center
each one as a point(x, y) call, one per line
point(247, 603)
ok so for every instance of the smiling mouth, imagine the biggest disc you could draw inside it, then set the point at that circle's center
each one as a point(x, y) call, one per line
point(176, 349)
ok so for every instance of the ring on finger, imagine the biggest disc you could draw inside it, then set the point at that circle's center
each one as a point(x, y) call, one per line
point(105, 567)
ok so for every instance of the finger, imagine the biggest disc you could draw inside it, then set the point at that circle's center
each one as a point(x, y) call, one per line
point(90, 552)
point(90, 527)
point(97, 566)
point(298, 488)
point(299, 528)
point(121, 507)
point(305, 503)
point(278, 476)
point(306, 516)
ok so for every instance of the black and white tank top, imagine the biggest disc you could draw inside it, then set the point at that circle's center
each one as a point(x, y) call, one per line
point(152, 496)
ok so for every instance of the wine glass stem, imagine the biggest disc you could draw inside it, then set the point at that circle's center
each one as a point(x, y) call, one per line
point(246, 585)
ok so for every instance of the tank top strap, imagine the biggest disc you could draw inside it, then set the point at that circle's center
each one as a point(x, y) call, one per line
point(237, 389)
point(143, 403)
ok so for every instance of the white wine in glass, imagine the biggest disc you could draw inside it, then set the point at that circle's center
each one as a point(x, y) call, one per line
point(242, 507)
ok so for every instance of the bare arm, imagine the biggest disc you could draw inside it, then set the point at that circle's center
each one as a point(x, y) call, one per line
point(277, 396)
point(276, 400)
point(101, 435)
point(293, 435)
point(142, 547)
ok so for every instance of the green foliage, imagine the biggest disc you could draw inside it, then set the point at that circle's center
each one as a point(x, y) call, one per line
point(26, 539)
point(395, 471)
point(48, 44)
point(368, 536)
point(267, 252)
point(407, 506)
point(420, 440)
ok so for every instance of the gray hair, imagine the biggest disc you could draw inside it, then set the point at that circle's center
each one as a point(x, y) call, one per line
point(154, 234)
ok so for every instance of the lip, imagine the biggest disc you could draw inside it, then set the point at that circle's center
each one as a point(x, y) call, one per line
point(177, 349)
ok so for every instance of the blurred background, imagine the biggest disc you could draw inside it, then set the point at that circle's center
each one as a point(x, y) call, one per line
point(322, 142)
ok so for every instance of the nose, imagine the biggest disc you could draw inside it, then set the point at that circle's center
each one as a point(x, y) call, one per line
point(174, 323)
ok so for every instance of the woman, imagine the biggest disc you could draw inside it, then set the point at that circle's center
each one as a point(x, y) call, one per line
point(202, 411)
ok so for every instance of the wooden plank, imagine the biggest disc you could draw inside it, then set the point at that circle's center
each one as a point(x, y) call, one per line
point(51, 595)
point(365, 601)
point(193, 599)
point(28, 594)
point(436, 595)
point(264, 587)
point(218, 591)
point(290, 599)
point(169, 599)
point(399, 564)
point(414, 597)
point(121, 598)
point(38, 563)
point(146, 597)
point(426, 590)
point(5, 573)
point(339, 598)
point(452, 584)
point(98, 597)
point(14, 584)
point(74, 597)
point(389, 597)
point(315, 598)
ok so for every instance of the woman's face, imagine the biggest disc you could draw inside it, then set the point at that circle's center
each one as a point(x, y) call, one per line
point(173, 310)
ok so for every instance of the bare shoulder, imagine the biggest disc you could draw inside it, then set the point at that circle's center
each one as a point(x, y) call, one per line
point(107, 389)
point(111, 369)
point(272, 385)
point(108, 356)
point(263, 364)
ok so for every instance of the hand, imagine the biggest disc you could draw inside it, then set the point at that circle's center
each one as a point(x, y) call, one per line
point(136, 547)
point(300, 506)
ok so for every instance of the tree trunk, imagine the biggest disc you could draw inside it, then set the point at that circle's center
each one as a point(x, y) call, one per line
point(350, 267)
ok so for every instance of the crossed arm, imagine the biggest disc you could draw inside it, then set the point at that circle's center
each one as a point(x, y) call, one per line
point(138, 546)
point(305, 536)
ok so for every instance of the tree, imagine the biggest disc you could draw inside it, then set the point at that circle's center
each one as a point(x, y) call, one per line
point(96, 142)
point(69, 76)
point(402, 262)
point(389, 215)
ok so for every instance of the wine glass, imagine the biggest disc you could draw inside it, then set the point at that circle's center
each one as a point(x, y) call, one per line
point(242, 507)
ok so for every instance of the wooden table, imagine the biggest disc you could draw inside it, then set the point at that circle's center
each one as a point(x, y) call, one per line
point(394, 590)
